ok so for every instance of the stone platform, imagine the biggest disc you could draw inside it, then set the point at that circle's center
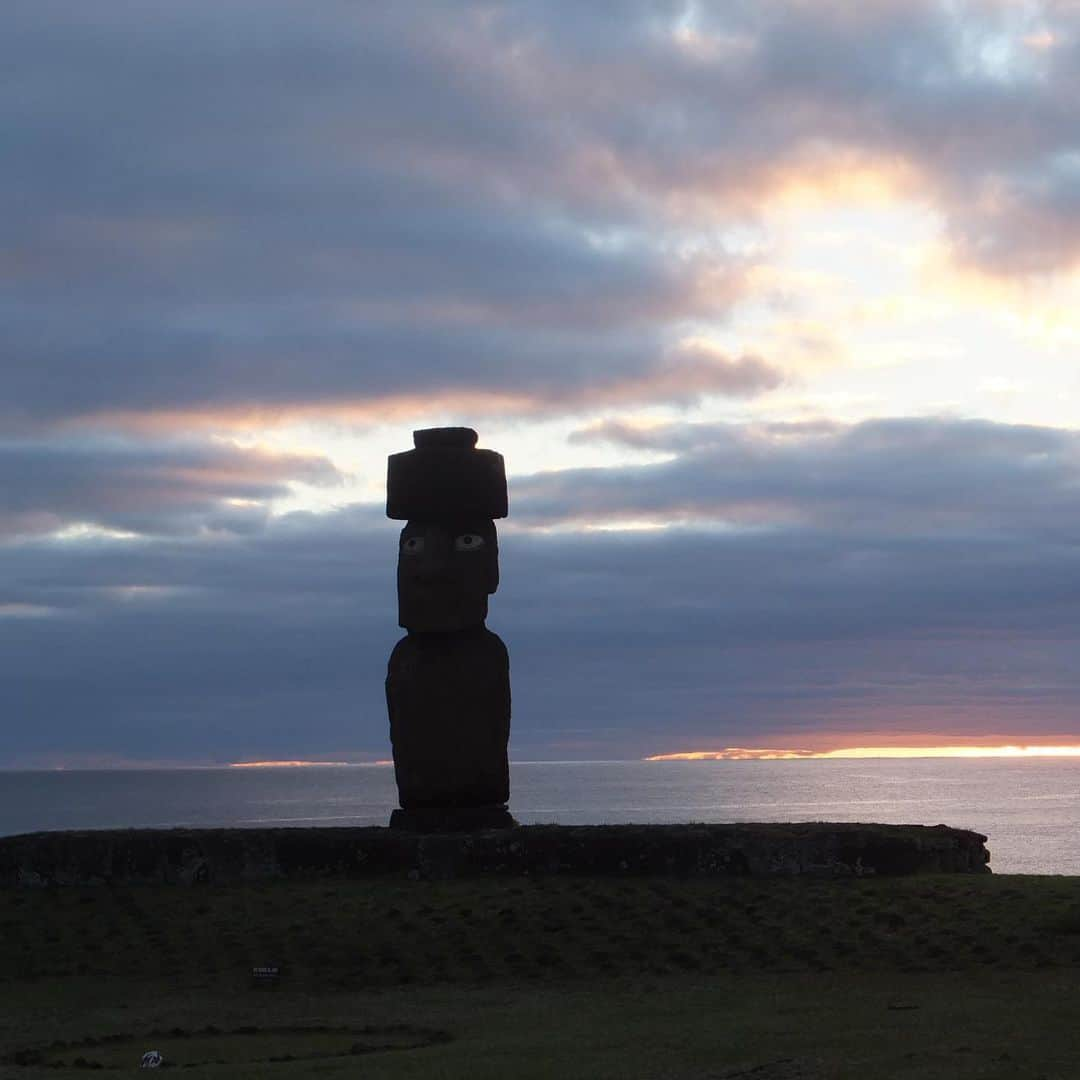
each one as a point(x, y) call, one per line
point(194, 856)
point(452, 819)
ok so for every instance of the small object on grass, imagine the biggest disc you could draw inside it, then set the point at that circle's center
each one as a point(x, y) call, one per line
point(152, 1059)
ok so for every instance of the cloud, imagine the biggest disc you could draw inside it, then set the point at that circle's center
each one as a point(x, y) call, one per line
point(346, 209)
point(621, 643)
point(225, 216)
point(179, 208)
point(907, 477)
point(157, 487)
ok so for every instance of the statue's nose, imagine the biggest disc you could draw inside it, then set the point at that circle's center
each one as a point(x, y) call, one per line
point(432, 575)
point(433, 565)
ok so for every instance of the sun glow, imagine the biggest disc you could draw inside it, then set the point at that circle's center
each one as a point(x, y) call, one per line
point(738, 753)
point(734, 753)
point(299, 764)
point(952, 751)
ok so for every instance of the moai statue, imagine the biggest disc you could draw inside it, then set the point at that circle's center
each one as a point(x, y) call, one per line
point(448, 683)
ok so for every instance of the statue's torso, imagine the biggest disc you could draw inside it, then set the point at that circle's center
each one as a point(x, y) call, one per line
point(449, 703)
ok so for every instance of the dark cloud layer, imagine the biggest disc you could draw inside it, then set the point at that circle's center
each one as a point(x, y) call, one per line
point(304, 209)
point(144, 487)
point(215, 213)
point(273, 642)
point(905, 477)
point(215, 207)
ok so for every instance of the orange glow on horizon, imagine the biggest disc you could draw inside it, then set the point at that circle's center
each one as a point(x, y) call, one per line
point(738, 753)
point(734, 753)
point(299, 764)
point(362, 411)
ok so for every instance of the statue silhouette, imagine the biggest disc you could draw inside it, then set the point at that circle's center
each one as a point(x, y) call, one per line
point(448, 681)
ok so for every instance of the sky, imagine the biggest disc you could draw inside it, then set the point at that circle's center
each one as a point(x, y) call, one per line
point(772, 308)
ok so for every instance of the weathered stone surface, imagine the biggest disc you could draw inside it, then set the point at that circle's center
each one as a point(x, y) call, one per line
point(193, 856)
point(446, 572)
point(452, 819)
point(448, 681)
point(444, 475)
point(448, 697)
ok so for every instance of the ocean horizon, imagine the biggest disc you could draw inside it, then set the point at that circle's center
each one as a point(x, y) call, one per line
point(1028, 809)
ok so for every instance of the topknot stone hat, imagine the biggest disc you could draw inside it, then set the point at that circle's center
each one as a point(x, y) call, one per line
point(445, 477)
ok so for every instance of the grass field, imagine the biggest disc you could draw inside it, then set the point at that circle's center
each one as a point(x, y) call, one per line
point(952, 976)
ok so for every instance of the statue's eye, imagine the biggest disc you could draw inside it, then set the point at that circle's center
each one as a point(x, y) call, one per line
point(468, 542)
point(412, 545)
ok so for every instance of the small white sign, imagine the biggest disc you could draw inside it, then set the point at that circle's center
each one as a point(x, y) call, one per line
point(152, 1059)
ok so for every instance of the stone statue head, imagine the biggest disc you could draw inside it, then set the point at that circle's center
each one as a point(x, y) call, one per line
point(449, 494)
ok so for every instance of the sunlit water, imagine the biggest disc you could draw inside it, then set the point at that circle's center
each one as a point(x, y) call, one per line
point(1029, 809)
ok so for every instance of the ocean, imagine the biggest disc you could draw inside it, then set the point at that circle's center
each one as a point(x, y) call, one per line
point(1029, 809)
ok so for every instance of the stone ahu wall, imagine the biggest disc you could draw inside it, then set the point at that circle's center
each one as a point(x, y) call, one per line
point(191, 856)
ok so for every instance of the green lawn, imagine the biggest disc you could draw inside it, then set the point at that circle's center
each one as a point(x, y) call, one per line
point(961, 976)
